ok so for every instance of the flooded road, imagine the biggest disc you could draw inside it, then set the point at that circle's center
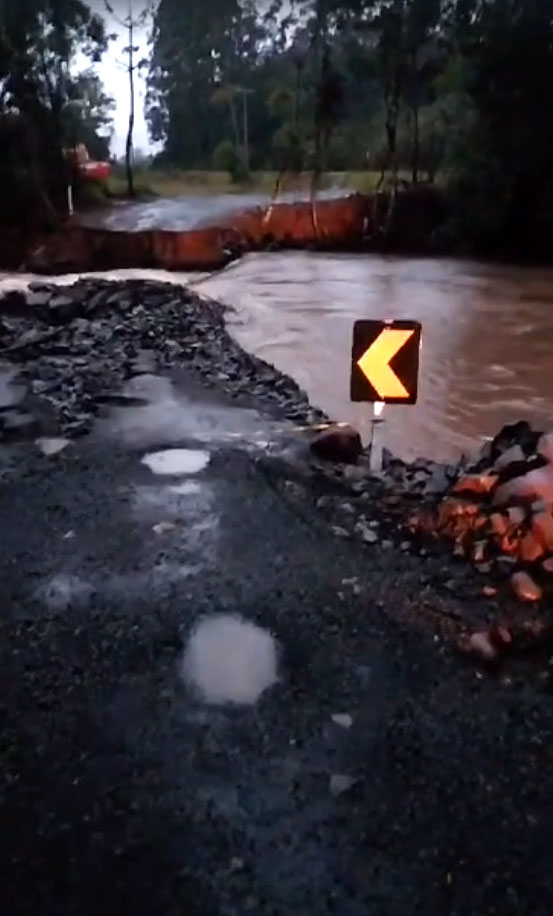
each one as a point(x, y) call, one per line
point(487, 337)
point(486, 345)
point(188, 211)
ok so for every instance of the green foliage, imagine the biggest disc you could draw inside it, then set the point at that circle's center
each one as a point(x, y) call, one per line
point(86, 116)
point(458, 90)
point(290, 147)
point(40, 99)
point(227, 159)
point(198, 47)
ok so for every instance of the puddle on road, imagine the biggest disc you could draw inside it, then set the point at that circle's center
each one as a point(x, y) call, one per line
point(65, 591)
point(186, 488)
point(173, 499)
point(170, 414)
point(51, 446)
point(160, 579)
point(177, 461)
point(188, 507)
point(229, 660)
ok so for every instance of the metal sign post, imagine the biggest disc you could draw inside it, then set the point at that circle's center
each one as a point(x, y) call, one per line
point(377, 437)
point(384, 370)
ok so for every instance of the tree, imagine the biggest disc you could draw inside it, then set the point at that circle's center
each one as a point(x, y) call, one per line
point(131, 23)
point(422, 64)
point(199, 50)
point(459, 89)
point(502, 172)
point(226, 95)
point(87, 115)
point(39, 42)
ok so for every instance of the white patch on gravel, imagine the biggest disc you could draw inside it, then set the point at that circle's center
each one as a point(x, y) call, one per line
point(229, 660)
point(177, 461)
point(343, 719)
point(163, 527)
point(189, 506)
point(340, 783)
point(188, 497)
point(164, 575)
point(168, 414)
point(51, 446)
point(64, 590)
point(186, 488)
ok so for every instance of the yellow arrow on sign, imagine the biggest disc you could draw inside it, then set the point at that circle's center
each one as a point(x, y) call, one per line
point(375, 363)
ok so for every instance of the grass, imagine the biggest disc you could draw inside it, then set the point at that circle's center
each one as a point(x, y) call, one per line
point(176, 183)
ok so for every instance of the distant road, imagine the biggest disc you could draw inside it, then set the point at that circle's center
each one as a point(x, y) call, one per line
point(186, 212)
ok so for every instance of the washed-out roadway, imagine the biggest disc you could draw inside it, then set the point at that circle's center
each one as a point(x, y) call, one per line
point(210, 704)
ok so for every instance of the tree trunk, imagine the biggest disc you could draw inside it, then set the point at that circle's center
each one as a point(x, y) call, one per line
point(321, 35)
point(286, 163)
point(297, 95)
point(234, 119)
point(246, 134)
point(416, 146)
point(389, 163)
point(274, 195)
point(315, 181)
point(129, 143)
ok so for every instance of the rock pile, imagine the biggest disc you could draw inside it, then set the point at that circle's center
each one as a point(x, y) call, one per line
point(499, 511)
point(75, 345)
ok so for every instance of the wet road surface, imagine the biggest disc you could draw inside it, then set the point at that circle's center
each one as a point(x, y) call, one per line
point(188, 211)
point(201, 715)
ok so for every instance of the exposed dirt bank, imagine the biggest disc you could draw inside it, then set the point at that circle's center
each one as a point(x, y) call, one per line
point(355, 223)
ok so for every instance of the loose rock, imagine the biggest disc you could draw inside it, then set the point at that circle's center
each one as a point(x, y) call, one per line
point(476, 483)
point(368, 534)
point(338, 443)
point(536, 484)
point(542, 529)
point(340, 783)
point(524, 587)
point(530, 548)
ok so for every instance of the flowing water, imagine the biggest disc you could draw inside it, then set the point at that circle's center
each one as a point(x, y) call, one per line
point(487, 338)
point(487, 344)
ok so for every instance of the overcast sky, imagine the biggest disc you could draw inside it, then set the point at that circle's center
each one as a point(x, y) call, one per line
point(116, 79)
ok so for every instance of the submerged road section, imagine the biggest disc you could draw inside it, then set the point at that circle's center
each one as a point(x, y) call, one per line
point(212, 703)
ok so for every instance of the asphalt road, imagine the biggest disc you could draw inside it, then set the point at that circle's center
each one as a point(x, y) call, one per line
point(188, 211)
point(125, 791)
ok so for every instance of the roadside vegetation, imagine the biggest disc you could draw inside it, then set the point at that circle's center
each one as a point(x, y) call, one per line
point(245, 94)
point(177, 182)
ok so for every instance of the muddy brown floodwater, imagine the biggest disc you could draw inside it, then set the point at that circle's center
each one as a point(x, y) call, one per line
point(487, 350)
point(487, 345)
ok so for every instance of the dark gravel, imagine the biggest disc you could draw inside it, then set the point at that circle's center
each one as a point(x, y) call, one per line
point(78, 343)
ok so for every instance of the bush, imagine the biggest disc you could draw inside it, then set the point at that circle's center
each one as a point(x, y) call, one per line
point(289, 147)
point(226, 159)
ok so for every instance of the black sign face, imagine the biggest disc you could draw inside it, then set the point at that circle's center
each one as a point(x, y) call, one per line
point(385, 361)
